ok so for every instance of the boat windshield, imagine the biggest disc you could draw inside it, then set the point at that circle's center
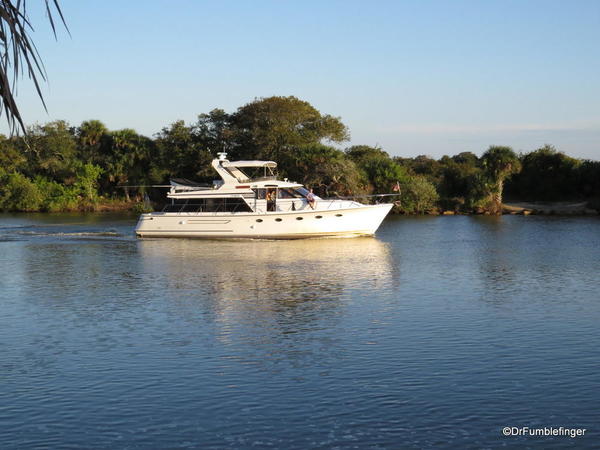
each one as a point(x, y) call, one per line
point(257, 173)
point(238, 174)
point(302, 191)
point(288, 193)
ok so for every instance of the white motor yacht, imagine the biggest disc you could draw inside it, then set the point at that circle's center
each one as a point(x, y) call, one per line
point(258, 207)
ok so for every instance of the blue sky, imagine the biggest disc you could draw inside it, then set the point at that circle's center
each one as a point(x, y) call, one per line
point(421, 77)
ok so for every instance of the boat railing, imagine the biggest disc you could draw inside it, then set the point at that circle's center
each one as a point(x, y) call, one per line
point(339, 203)
point(235, 207)
point(198, 208)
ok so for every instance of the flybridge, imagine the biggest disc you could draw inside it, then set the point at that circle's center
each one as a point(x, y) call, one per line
point(232, 177)
point(231, 172)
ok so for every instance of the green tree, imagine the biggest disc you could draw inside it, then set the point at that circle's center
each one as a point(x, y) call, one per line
point(51, 151)
point(458, 180)
point(362, 153)
point(56, 196)
point(418, 195)
point(91, 134)
point(19, 193)
point(325, 169)
point(269, 127)
point(11, 157)
point(498, 164)
point(546, 174)
point(213, 131)
point(466, 158)
point(424, 165)
point(588, 176)
point(86, 183)
point(379, 169)
point(127, 159)
point(181, 153)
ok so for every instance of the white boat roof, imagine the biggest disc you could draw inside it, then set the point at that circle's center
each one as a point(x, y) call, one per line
point(238, 189)
point(271, 164)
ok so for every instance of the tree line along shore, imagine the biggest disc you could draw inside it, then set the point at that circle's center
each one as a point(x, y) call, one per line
point(58, 167)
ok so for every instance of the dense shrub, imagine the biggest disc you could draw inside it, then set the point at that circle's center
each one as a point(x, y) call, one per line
point(19, 193)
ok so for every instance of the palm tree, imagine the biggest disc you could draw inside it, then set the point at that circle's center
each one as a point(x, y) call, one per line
point(127, 153)
point(18, 55)
point(498, 164)
point(91, 134)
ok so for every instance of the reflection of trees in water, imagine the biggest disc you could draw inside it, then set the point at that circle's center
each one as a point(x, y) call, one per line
point(524, 256)
point(498, 258)
point(80, 272)
point(80, 296)
point(86, 283)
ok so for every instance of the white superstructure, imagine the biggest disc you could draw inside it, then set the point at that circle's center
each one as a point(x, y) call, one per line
point(243, 206)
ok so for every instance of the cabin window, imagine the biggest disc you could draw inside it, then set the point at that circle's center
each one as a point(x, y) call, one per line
point(260, 194)
point(318, 217)
point(278, 220)
point(338, 215)
point(299, 218)
point(259, 220)
point(198, 205)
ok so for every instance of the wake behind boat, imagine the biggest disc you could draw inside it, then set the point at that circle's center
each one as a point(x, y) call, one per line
point(240, 206)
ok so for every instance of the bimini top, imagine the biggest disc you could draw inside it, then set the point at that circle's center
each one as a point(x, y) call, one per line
point(231, 171)
point(270, 164)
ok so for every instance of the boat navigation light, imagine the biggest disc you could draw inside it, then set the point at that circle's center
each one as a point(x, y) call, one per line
point(222, 156)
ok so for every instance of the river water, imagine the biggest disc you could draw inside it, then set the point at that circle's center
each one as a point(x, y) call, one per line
point(438, 332)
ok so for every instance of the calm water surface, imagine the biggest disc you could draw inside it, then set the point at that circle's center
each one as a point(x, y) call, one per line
point(436, 333)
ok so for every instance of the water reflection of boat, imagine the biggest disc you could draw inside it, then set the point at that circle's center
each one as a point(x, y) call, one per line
point(298, 269)
point(271, 304)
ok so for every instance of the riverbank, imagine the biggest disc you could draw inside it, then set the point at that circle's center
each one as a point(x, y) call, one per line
point(101, 205)
point(564, 208)
point(550, 208)
point(117, 205)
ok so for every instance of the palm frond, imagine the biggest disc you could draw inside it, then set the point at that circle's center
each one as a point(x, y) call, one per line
point(19, 56)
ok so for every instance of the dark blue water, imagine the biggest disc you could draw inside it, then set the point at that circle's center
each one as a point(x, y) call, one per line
point(436, 333)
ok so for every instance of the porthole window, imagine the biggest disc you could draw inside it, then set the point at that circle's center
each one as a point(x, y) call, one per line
point(299, 218)
point(338, 215)
point(259, 220)
point(318, 217)
point(278, 220)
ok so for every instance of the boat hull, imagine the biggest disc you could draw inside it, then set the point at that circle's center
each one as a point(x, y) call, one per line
point(356, 221)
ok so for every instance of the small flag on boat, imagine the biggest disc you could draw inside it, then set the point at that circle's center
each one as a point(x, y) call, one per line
point(396, 187)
